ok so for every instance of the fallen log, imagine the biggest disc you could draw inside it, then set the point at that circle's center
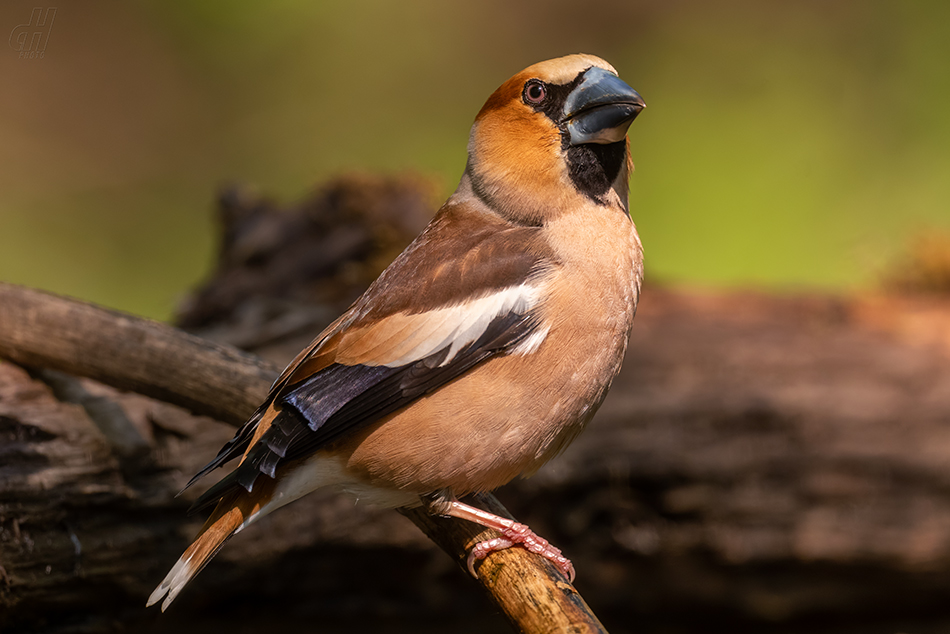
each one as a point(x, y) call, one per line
point(762, 462)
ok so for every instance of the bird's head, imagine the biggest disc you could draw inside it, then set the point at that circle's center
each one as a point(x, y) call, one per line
point(553, 136)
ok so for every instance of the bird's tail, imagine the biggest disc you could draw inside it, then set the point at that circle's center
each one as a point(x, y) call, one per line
point(223, 523)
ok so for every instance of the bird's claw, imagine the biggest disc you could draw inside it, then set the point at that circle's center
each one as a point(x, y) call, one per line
point(520, 534)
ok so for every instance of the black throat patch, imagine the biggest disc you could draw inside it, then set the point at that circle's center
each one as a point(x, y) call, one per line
point(594, 166)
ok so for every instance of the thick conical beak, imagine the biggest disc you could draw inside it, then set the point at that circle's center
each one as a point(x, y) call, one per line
point(601, 108)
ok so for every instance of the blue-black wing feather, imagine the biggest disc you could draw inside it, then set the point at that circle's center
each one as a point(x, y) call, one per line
point(343, 398)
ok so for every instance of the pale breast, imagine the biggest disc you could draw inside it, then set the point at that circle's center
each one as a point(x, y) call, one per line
point(511, 414)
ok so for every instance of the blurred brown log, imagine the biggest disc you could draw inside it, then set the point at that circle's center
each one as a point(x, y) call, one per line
point(763, 463)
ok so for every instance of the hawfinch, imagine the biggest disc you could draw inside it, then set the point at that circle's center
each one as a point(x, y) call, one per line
point(483, 349)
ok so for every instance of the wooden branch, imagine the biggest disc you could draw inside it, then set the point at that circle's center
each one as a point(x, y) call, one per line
point(41, 330)
point(514, 579)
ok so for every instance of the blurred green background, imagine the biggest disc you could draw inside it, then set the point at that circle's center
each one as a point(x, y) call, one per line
point(792, 145)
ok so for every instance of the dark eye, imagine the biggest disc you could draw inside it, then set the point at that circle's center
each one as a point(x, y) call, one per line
point(534, 92)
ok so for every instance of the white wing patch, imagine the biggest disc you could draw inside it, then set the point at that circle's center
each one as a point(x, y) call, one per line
point(404, 338)
point(532, 342)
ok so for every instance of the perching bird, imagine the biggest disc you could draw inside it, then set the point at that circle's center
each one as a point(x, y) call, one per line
point(483, 349)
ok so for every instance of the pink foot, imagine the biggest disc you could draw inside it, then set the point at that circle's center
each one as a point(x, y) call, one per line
point(517, 533)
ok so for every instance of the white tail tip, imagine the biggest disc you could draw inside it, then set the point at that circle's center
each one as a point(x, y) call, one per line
point(176, 579)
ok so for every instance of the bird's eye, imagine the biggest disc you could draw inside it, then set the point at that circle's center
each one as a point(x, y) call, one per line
point(534, 92)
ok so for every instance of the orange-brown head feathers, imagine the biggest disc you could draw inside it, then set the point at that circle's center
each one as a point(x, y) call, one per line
point(551, 137)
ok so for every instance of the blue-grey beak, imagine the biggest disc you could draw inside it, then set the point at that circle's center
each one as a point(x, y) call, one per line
point(601, 108)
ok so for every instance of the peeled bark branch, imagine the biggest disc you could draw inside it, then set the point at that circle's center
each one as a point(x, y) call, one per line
point(514, 581)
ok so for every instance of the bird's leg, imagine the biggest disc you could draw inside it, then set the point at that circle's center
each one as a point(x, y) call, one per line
point(512, 533)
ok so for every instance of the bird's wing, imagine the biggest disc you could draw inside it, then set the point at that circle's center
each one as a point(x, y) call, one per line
point(466, 290)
